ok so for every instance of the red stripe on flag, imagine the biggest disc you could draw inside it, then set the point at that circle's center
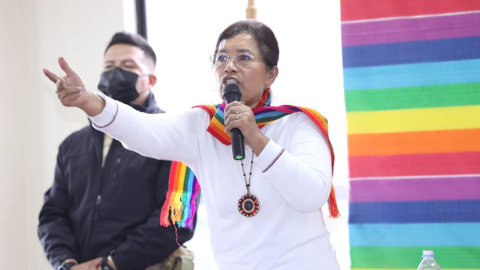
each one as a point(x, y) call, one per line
point(419, 164)
point(353, 10)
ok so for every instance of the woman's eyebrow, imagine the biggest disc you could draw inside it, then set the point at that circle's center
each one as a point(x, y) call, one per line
point(244, 50)
point(237, 50)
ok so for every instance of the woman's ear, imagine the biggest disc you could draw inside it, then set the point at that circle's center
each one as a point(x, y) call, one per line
point(271, 76)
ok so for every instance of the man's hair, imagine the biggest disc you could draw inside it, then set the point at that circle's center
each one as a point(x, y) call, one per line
point(134, 40)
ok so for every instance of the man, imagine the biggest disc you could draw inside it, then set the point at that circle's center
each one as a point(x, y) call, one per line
point(104, 206)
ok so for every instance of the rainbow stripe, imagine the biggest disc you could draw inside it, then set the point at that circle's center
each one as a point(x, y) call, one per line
point(265, 114)
point(412, 93)
point(179, 207)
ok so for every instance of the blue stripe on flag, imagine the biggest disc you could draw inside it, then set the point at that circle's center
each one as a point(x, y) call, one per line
point(415, 212)
point(415, 235)
point(412, 52)
point(269, 114)
point(456, 72)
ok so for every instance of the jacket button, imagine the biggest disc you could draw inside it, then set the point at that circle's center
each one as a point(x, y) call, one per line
point(118, 160)
point(114, 176)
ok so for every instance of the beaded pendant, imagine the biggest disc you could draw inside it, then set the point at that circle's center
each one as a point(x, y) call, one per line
point(248, 205)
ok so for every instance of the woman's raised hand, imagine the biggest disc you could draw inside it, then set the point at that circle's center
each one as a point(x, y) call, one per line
point(238, 115)
point(71, 90)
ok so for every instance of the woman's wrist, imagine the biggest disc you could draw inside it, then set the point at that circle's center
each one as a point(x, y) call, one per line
point(94, 105)
point(258, 142)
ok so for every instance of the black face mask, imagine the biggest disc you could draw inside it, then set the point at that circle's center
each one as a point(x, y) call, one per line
point(119, 84)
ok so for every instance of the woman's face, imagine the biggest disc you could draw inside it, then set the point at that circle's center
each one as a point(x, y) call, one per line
point(251, 81)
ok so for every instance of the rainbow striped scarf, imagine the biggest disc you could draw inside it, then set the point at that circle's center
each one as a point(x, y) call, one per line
point(179, 205)
point(266, 114)
point(183, 187)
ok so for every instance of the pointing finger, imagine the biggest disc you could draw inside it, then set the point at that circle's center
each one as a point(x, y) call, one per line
point(65, 67)
point(50, 75)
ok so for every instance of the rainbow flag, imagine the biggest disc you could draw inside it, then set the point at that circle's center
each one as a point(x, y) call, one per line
point(412, 92)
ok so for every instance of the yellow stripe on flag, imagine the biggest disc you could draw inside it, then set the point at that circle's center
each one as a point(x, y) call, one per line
point(444, 118)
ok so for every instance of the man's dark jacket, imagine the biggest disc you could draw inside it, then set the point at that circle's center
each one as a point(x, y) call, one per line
point(90, 212)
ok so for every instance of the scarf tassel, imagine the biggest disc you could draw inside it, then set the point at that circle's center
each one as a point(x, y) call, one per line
point(332, 205)
point(179, 209)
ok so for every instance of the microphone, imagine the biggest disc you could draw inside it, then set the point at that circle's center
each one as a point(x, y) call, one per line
point(230, 94)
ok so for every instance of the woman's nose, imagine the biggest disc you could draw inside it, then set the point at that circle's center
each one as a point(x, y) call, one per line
point(230, 65)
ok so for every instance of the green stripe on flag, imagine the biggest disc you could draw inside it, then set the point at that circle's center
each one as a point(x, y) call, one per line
point(460, 257)
point(413, 97)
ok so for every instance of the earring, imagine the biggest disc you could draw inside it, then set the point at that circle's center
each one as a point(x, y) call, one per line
point(261, 94)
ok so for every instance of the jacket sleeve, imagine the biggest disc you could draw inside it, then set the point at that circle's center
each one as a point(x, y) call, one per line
point(54, 229)
point(150, 243)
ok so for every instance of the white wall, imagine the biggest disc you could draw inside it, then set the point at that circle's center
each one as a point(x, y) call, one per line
point(34, 34)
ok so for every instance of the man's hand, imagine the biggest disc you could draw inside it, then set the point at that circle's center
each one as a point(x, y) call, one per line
point(71, 90)
point(90, 265)
point(110, 263)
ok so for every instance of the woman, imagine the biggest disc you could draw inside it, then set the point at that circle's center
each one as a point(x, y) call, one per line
point(264, 214)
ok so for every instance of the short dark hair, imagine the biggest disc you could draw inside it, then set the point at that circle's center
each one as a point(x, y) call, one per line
point(264, 36)
point(134, 40)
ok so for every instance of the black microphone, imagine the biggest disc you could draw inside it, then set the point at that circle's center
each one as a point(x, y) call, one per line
point(230, 94)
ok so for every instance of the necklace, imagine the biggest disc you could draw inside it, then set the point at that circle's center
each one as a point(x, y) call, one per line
point(248, 204)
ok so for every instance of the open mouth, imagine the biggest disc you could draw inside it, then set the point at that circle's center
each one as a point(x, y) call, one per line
point(229, 80)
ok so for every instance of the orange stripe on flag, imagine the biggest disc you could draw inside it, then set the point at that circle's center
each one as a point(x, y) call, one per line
point(441, 141)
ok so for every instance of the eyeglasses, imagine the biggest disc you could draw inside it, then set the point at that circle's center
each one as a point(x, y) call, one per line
point(242, 60)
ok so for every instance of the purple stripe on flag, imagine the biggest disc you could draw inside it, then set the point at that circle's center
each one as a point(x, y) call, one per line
point(415, 189)
point(403, 30)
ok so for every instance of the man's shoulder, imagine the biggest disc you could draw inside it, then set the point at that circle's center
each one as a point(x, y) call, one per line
point(84, 131)
point(78, 137)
